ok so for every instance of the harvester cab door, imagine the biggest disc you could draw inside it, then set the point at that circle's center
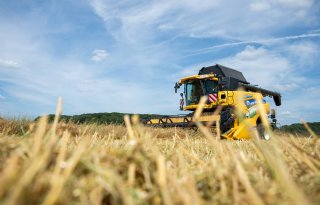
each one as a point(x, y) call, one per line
point(210, 88)
point(193, 92)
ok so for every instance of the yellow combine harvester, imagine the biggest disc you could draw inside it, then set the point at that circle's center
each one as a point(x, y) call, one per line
point(228, 90)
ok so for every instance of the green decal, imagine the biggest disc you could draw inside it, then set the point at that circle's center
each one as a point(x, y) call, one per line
point(252, 112)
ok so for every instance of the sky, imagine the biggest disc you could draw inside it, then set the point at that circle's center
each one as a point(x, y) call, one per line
point(125, 56)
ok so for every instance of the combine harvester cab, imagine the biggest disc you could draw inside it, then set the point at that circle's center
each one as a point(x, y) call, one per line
point(226, 88)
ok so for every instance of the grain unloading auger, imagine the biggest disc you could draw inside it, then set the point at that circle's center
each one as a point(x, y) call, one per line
point(228, 92)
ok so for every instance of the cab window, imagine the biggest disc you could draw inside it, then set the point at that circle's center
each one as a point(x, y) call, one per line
point(210, 86)
point(193, 92)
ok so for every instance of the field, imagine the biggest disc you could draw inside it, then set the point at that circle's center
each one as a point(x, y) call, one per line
point(58, 163)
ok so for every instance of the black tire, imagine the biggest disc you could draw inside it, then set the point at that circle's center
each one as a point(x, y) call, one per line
point(226, 120)
point(263, 134)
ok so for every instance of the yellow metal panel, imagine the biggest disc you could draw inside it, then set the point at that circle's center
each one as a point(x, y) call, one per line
point(198, 77)
point(209, 118)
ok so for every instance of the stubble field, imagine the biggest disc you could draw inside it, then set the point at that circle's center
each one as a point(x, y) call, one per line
point(57, 163)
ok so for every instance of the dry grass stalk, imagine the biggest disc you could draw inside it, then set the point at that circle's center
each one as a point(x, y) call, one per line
point(162, 180)
point(313, 134)
point(196, 118)
point(131, 174)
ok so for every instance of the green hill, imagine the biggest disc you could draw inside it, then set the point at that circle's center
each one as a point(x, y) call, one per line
point(298, 128)
point(99, 118)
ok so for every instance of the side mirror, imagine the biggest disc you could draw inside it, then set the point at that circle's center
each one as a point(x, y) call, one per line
point(176, 87)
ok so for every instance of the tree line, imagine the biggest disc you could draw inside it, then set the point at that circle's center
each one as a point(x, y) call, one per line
point(298, 128)
point(117, 118)
point(98, 118)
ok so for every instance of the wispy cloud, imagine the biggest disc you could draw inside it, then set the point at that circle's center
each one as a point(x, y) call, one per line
point(99, 55)
point(263, 5)
point(258, 41)
point(9, 63)
point(227, 19)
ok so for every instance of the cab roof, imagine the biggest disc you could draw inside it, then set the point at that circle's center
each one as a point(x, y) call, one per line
point(223, 71)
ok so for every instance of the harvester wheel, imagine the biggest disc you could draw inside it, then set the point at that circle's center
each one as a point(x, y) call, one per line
point(226, 120)
point(263, 134)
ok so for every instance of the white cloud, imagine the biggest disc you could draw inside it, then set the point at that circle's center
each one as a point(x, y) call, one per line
point(286, 112)
point(251, 53)
point(263, 5)
point(2, 97)
point(99, 55)
point(285, 87)
point(263, 67)
point(299, 105)
point(305, 52)
point(9, 63)
point(293, 3)
point(260, 6)
point(303, 48)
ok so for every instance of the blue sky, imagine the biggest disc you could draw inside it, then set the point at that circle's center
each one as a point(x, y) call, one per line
point(125, 56)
